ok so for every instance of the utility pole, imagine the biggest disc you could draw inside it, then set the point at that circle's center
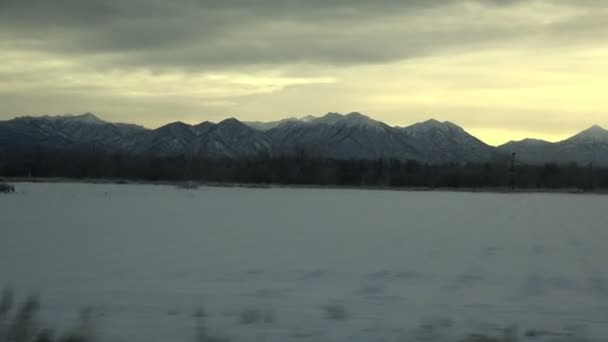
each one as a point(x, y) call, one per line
point(512, 172)
point(590, 184)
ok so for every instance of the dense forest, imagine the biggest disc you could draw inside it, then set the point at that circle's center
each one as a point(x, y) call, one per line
point(302, 170)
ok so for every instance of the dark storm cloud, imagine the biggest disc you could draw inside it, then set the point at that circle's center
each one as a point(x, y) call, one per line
point(214, 33)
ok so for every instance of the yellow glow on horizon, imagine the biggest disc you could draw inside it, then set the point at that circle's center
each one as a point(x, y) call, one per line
point(542, 84)
point(497, 136)
point(496, 95)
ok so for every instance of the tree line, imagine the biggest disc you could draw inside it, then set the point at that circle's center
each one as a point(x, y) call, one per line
point(300, 169)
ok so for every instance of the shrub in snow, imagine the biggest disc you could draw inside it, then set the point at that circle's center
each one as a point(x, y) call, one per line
point(269, 316)
point(250, 316)
point(199, 313)
point(24, 326)
point(6, 303)
point(188, 186)
point(509, 334)
point(84, 331)
point(202, 335)
point(335, 311)
point(481, 338)
point(255, 316)
point(7, 299)
point(6, 188)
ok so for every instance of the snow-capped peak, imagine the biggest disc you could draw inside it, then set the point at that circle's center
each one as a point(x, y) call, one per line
point(352, 119)
point(231, 122)
point(595, 132)
point(175, 128)
point(267, 125)
point(86, 118)
point(89, 118)
point(431, 125)
point(307, 118)
point(231, 126)
point(432, 122)
point(329, 118)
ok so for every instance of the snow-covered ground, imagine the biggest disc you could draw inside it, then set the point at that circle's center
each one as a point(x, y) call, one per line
point(403, 265)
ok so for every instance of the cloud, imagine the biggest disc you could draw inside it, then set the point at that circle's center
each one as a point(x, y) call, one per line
point(192, 34)
point(489, 64)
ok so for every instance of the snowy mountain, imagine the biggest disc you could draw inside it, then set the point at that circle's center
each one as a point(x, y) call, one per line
point(357, 136)
point(588, 146)
point(170, 139)
point(17, 136)
point(445, 141)
point(86, 118)
point(592, 135)
point(78, 131)
point(265, 126)
point(351, 136)
point(533, 151)
point(229, 138)
point(232, 138)
point(334, 135)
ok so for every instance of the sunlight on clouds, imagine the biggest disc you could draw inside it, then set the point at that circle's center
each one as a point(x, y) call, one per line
point(515, 81)
point(480, 90)
point(68, 75)
point(502, 70)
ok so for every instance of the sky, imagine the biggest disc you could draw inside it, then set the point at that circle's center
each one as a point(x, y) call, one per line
point(502, 69)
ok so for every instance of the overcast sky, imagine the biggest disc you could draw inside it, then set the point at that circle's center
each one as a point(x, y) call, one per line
point(502, 69)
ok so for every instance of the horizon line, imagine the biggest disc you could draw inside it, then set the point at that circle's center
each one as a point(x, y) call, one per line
point(297, 118)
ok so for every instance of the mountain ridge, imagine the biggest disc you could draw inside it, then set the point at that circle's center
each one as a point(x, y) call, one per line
point(333, 135)
point(589, 146)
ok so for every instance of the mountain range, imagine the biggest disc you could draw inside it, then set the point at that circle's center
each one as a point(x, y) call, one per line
point(334, 135)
